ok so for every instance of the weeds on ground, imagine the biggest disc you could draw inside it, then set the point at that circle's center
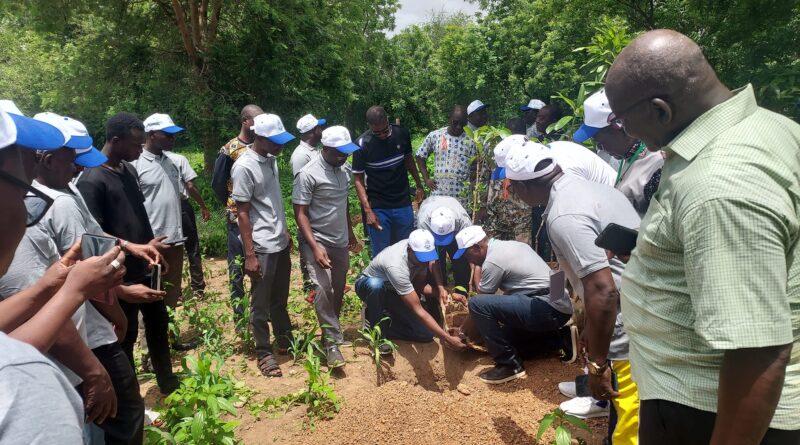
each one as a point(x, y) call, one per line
point(193, 412)
point(304, 342)
point(559, 420)
point(374, 340)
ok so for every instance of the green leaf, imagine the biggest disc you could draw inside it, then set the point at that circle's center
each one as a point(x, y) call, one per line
point(563, 437)
point(578, 422)
point(547, 420)
point(562, 122)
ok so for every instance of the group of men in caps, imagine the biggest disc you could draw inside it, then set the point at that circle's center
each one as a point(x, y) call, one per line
point(687, 340)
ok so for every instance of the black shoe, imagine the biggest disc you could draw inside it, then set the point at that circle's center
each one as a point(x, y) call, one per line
point(501, 374)
point(185, 346)
point(385, 349)
point(168, 385)
point(569, 343)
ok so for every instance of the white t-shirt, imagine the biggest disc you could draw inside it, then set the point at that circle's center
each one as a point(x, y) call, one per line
point(579, 160)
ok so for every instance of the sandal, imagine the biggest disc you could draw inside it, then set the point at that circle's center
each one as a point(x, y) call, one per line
point(269, 366)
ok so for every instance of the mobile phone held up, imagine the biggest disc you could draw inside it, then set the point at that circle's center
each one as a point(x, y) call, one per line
point(618, 239)
point(155, 277)
point(96, 245)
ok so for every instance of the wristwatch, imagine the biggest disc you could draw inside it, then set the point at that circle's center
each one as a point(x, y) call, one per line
point(595, 369)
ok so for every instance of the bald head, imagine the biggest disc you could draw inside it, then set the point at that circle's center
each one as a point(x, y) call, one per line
point(659, 84)
point(376, 115)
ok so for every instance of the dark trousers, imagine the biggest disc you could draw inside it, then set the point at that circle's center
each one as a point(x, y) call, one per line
point(192, 246)
point(268, 300)
point(126, 427)
point(509, 323)
point(665, 422)
point(235, 268)
point(156, 321)
point(382, 301)
point(460, 266)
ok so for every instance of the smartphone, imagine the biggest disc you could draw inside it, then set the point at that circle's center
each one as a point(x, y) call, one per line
point(175, 242)
point(96, 245)
point(155, 277)
point(582, 386)
point(618, 239)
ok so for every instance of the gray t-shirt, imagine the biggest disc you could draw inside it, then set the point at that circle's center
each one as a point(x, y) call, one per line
point(434, 202)
point(577, 212)
point(323, 188)
point(255, 180)
point(635, 176)
point(185, 171)
point(392, 265)
point(515, 268)
point(158, 179)
point(35, 253)
point(38, 405)
point(67, 220)
point(301, 156)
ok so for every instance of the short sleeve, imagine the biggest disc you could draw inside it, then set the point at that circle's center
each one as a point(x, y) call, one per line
point(302, 189)
point(359, 157)
point(573, 236)
point(243, 184)
point(187, 172)
point(491, 277)
point(400, 280)
point(731, 245)
point(67, 225)
point(426, 148)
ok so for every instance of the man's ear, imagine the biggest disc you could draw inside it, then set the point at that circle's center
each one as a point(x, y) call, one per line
point(663, 109)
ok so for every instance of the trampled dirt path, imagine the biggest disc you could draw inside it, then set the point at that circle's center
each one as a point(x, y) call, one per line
point(429, 396)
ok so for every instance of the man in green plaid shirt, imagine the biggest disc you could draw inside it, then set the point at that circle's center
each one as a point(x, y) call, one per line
point(711, 295)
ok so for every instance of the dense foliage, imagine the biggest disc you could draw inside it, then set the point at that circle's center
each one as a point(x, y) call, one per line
point(91, 58)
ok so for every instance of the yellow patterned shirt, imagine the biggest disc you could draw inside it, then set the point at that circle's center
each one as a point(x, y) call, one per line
point(234, 148)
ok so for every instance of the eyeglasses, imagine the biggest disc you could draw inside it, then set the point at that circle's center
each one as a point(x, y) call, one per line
point(387, 131)
point(36, 202)
point(619, 122)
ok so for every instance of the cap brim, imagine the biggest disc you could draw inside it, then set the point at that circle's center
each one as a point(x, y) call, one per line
point(347, 148)
point(459, 253)
point(526, 108)
point(281, 138)
point(172, 130)
point(482, 107)
point(90, 159)
point(79, 142)
point(322, 122)
point(499, 173)
point(427, 256)
point(584, 133)
point(443, 240)
point(35, 134)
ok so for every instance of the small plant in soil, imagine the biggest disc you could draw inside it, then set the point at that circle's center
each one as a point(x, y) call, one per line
point(374, 340)
point(319, 396)
point(558, 420)
point(304, 342)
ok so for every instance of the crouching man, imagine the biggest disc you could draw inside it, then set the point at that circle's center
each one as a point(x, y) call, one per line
point(529, 314)
point(392, 285)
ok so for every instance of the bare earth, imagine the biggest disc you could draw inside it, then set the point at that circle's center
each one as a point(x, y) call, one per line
point(428, 395)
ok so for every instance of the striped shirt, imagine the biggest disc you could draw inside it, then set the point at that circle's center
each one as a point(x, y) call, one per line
point(382, 161)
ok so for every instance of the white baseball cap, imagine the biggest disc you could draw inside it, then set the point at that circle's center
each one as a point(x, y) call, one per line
point(161, 122)
point(502, 148)
point(15, 128)
point(468, 237)
point(521, 162)
point(271, 127)
point(534, 104)
point(78, 139)
point(339, 138)
point(308, 122)
point(596, 111)
point(474, 106)
point(421, 242)
point(443, 226)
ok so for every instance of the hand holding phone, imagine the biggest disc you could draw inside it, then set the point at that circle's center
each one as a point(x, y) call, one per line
point(155, 277)
point(618, 239)
point(96, 245)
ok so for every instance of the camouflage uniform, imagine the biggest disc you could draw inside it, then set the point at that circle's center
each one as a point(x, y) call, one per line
point(508, 218)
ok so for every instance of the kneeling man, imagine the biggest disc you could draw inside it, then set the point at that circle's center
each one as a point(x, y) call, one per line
point(528, 313)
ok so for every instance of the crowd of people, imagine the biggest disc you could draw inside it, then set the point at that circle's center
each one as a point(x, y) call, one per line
point(686, 340)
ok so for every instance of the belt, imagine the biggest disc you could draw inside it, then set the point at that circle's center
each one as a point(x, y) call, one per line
point(539, 292)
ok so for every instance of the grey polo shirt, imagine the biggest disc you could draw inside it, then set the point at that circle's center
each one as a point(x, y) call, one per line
point(434, 202)
point(578, 210)
point(158, 179)
point(323, 188)
point(635, 176)
point(255, 180)
point(301, 156)
point(67, 220)
point(185, 171)
point(392, 266)
point(515, 268)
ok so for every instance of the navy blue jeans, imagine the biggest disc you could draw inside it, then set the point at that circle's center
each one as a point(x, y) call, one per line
point(383, 301)
point(514, 325)
point(235, 268)
point(397, 224)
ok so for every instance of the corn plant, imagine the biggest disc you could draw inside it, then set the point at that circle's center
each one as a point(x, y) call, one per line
point(304, 342)
point(559, 420)
point(322, 401)
point(374, 340)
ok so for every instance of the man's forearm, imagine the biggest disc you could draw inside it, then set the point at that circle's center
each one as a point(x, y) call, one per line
point(304, 225)
point(750, 385)
point(195, 194)
point(412, 167)
point(72, 352)
point(436, 271)
point(423, 169)
point(361, 192)
point(18, 308)
point(41, 330)
point(601, 298)
point(412, 301)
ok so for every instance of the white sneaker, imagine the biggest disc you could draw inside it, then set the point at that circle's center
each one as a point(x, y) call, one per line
point(568, 389)
point(584, 407)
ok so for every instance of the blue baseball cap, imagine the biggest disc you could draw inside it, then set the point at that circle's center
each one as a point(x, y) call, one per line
point(498, 174)
point(596, 112)
point(161, 122)
point(421, 242)
point(468, 237)
point(339, 138)
point(584, 133)
point(17, 129)
point(89, 157)
point(534, 104)
point(270, 126)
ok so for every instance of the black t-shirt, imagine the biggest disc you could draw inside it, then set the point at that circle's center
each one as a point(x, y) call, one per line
point(383, 163)
point(117, 203)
